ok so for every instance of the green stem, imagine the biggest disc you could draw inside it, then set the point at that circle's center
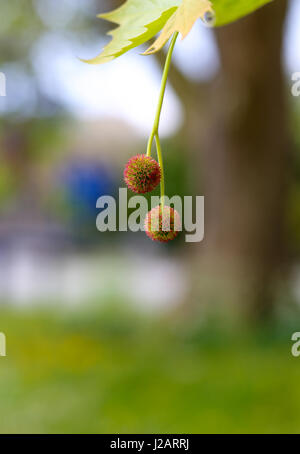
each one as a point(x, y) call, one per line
point(161, 165)
point(154, 131)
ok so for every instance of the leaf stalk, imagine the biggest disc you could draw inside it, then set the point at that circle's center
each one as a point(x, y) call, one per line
point(154, 133)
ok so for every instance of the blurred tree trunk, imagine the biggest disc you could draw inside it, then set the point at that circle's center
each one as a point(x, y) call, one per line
point(245, 161)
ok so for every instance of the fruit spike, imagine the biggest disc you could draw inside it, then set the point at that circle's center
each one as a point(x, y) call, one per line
point(162, 226)
point(142, 174)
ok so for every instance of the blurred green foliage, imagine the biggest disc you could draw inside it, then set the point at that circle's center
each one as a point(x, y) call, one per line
point(115, 372)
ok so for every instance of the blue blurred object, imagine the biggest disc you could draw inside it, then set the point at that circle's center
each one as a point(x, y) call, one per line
point(84, 181)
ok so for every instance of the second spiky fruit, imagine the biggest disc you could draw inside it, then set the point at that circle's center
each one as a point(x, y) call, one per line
point(162, 224)
point(142, 174)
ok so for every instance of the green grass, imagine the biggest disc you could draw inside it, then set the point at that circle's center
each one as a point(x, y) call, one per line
point(113, 373)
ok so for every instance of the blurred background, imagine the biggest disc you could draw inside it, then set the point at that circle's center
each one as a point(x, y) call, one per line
point(110, 332)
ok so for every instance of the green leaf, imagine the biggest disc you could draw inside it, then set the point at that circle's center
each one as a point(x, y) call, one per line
point(230, 10)
point(139, 21)
point(181, 21)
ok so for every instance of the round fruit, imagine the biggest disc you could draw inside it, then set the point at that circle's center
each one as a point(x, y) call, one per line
point(142, 174)
point(162, 225)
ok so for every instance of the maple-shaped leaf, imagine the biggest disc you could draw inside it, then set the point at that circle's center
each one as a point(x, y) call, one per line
point(182, 21)
point(139, 21)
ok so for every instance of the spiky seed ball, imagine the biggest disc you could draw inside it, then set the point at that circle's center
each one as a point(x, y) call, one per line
point(162, 225)
point(142, 174)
